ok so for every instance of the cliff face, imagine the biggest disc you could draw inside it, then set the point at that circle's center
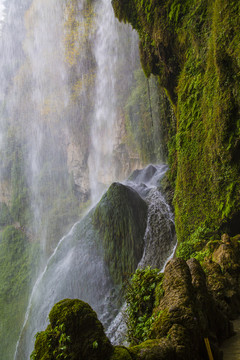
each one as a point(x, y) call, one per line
point(193, 48)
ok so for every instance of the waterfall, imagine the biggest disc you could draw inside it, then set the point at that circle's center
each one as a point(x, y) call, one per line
point(2, 7)
point(77, 269)
point(103, 131)
point(67, 72)
point(160, 238)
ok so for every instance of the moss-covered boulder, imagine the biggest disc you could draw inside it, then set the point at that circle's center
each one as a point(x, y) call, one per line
point(121, 353)
point(121, 218)
point(161, 349)
point(185, 312)
point(74, 333)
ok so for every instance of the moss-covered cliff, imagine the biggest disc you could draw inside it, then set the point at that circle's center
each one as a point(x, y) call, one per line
point(193, 47)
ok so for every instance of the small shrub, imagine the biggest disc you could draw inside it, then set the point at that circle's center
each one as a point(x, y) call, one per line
point(140, 298)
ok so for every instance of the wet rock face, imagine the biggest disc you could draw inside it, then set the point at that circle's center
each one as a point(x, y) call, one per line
point(74, 333)
point(121, 218)
point(145, 176)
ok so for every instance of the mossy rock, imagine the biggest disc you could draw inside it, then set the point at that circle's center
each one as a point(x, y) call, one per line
point(154, 350)
point(74, 333)
point(121, 218)
point(121, 353)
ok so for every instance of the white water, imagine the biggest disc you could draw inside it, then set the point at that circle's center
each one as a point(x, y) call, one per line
point(77, 270)
point(160, 238)
point(2, 7)
point(109, 52)
point(160, 232)
point(103, 132)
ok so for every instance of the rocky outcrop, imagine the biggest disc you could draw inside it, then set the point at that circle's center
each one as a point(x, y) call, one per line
point(121, 218)
point(196, 304)
point(74, 333)
point(223, 275)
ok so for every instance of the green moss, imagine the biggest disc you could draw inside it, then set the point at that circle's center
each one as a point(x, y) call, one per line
point(17, 270)
point(120, 218)
point(154, 349)
point(161, 324)
point(74, 333)
point(148, 119)
point(193, 47)
point(207, 190)
point(120, 353)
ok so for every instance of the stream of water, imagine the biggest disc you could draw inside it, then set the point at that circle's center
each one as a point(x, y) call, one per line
point(77, 269)
point(66, 68)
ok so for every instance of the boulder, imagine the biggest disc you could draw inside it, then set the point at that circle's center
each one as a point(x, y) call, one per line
point(74, 333)
point(121, 218)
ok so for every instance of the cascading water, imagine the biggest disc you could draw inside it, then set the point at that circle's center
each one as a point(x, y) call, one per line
point(160, 238)
point(1, 12)
point(160, 232)
point(77, 269)
point(103, 131)
point(61, 117)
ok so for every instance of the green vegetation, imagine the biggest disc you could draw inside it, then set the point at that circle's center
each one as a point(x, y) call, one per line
point(5, 215)
point(120, 218)
point(120, 353)
point(17, 269)
point(57, 342)
point(74, 332)
point(148, 118)
point(193, 48)
point(142, 290)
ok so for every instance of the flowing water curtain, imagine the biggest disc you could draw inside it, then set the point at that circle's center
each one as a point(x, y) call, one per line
point(62, 74)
